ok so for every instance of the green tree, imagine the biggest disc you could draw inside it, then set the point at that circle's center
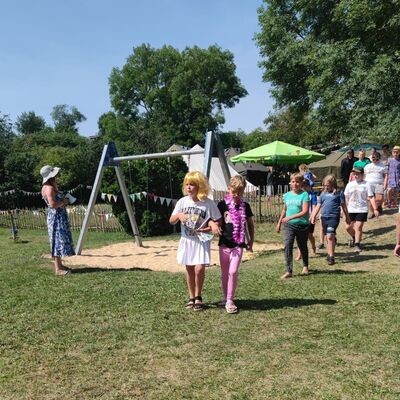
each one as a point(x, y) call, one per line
point(335, 64)
point(29, 122)
point(66, 118)
point(6, 138)
point(167, 96)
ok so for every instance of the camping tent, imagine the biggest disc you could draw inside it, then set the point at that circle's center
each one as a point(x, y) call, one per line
point(279, 153)
point(331, 165)
point(217, 182)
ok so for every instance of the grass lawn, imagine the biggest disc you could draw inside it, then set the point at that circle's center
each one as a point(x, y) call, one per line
point(126, 335)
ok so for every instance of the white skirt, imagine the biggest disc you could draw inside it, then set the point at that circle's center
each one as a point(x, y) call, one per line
point(193, 252)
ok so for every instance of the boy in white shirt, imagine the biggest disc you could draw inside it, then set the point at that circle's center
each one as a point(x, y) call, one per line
point(357, 193)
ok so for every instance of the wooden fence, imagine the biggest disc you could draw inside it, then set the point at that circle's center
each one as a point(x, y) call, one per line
point(102, 219)
point(264, 202)
point(265, 207)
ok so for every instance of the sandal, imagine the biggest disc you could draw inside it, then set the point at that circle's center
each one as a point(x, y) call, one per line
point(190, 304)
point(230, 307)
point(63, 272)
point(198, 303)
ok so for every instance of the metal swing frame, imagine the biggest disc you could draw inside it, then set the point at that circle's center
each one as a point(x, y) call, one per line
point(110, 158)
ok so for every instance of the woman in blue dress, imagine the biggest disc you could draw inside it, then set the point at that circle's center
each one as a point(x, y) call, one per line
point(57, 219)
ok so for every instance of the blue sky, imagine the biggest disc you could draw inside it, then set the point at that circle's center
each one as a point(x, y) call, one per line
point(62, 52)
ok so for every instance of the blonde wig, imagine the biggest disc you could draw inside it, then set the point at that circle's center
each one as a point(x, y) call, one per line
point(199, 180)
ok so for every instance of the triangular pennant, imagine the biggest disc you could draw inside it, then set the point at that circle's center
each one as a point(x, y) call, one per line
point(168, 201)
point(103, 196)
point(132, 196)
point(109, 197)
point(155, 199)
point(139, 195)
point(115, 198)
point(162, 199)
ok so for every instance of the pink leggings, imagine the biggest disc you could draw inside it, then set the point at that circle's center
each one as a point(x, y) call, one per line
point(229, 259)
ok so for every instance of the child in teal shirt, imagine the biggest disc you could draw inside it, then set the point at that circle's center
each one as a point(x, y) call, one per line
point(295, 216)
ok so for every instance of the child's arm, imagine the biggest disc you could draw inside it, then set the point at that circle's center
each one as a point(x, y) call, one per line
point(373, 204)
point(346, 213)
point(250, 227)
point(278, 225)
point(173, 219)
point(315, 213)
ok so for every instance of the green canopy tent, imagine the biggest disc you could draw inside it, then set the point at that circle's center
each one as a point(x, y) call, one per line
point(278, 153)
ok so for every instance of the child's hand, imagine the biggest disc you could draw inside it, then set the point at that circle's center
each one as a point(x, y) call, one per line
point(183, 217)
point(249, 247)
point(278, 228)
point(215, 228)
point(284, 220)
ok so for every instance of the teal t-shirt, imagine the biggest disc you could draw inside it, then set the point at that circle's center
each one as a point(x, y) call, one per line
point(362, 163)
point(294, 205)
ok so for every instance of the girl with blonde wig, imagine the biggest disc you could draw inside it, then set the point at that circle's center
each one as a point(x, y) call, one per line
point(195, 211)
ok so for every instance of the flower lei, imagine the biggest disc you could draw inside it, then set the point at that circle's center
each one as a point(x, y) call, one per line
point(238, 218)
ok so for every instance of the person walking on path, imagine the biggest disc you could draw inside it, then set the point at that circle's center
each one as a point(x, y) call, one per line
point(392, 180)
point(57, 219)
point(375, 174)
point(194, 211)
point(330, 202)
point(347, 165)
point(295, 216)
point(357, 193)
point(236, 217)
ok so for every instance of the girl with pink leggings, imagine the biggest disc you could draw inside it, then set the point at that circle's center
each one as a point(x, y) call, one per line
point(236, 216)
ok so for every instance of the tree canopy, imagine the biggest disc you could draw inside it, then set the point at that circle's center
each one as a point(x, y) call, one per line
point(167, 96)
point(334, 64)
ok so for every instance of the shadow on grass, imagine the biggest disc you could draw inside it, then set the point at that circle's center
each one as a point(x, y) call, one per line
point(87, 270)
point(274, 304)
point(380, 231)
point(346, 258)
point(335, 272)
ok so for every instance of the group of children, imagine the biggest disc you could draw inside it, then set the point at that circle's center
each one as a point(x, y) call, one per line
point(201, 218)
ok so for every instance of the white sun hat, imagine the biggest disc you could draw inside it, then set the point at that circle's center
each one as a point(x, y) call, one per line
point(48, 172)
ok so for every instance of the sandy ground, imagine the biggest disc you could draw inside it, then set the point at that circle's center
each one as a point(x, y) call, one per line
point(157, 255)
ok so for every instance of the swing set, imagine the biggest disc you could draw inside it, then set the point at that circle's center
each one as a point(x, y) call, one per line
point(110, 158)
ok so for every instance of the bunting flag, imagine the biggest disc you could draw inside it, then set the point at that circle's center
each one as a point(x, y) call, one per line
point(103, 196)
point(109, 197)
point(115, 197)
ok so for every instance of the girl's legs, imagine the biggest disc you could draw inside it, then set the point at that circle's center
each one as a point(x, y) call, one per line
point(379, 201)
point(301, 238)
point(395, 194)
point(330, 244)
point(59, 269)
point(230, 259)
point(350, 230)
point(289, 235)
point(195, 279)
point(191, 281)
point(311, 238)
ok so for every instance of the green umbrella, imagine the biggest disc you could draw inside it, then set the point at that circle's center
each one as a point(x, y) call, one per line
point(279, 153)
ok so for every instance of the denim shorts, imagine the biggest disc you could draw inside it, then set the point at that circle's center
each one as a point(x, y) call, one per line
point(329, 225)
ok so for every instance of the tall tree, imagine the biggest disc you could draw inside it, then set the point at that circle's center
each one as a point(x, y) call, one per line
point(66, 118)
point(168, 96)
point(29, 122)
point(6, 138)
point(335, 63)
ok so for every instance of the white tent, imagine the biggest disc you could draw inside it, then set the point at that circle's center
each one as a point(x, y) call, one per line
point(217, 181)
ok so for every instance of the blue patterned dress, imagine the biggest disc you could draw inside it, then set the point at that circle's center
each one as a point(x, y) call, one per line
point(59, 232)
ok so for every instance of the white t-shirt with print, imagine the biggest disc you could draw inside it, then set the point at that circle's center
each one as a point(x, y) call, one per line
point(191, 250)
point(357, 193)
point(375, 173)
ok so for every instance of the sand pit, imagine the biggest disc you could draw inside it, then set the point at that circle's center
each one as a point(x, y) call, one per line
point(156, 255)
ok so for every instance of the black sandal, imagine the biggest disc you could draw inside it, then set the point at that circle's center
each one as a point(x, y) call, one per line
point(198, 306)
point(190, 304)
